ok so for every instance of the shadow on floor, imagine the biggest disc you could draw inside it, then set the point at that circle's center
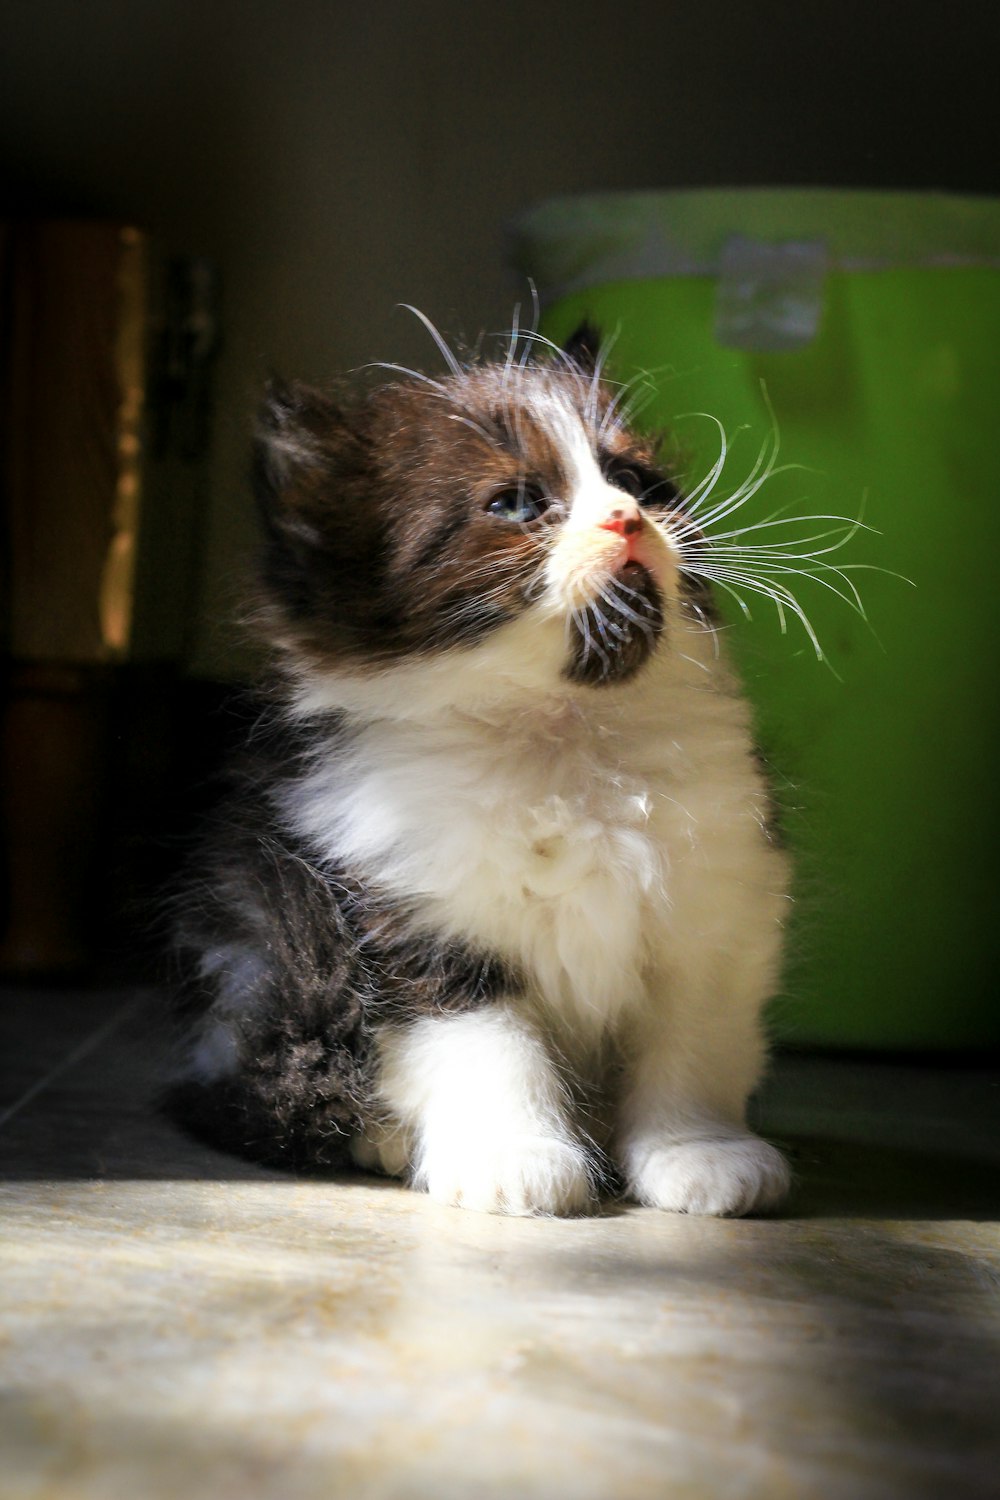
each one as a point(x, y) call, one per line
point(849, 1179)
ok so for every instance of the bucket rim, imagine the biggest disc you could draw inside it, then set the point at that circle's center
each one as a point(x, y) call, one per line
point(569, 244)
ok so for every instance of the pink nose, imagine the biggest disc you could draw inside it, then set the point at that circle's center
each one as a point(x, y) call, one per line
point(625, 524)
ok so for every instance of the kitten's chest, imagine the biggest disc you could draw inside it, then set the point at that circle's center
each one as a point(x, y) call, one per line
point(547, 849)
point(544, 808)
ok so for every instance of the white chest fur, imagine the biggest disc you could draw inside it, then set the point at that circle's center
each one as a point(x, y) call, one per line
point(569, 840)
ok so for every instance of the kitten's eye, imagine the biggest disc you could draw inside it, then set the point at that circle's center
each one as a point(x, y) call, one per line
point(644, 485)
point(629, 478)
point(521, 504)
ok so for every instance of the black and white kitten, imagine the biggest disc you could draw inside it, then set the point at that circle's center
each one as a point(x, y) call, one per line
point(495, 899)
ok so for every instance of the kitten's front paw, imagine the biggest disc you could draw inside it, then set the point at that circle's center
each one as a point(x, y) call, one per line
point(521, 1175)
point(735, 1175)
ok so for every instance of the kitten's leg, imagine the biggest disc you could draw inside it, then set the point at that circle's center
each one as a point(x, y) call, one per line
point(486, 1111)
point(683, 1143)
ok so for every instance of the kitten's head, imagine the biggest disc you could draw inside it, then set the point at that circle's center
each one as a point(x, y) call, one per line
point(504, 505)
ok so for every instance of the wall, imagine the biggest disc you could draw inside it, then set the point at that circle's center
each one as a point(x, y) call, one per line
point(337, 159)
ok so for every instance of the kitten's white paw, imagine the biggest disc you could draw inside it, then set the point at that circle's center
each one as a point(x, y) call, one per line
point(382, 1149)
point(738, 1175)
point(519, 1175)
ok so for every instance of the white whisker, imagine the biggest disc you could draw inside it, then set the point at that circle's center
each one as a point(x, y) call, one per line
point(617, 413)
point(762, 470)
point(614, 601)
point(512, 346)
point(490, 437)
point(780, 595)
point(590, 646)
point(383, 364)
point(536, 305)
point(590, 407)
point(446, 353)
point(708, 484)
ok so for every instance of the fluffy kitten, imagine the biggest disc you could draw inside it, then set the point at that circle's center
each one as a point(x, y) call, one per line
point(494, 902)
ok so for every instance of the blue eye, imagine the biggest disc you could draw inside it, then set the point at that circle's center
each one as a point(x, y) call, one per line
point(520, 504)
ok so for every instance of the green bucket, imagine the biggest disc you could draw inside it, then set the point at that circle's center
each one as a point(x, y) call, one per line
point(869, 325)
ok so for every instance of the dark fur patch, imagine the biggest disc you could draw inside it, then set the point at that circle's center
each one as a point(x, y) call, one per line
point(318, 963)
point(379, 540)
point(615, 636)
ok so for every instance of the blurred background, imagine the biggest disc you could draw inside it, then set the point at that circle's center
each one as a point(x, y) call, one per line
point(194, 194)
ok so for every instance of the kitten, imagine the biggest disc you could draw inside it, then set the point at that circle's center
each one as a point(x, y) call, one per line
point(495, 901)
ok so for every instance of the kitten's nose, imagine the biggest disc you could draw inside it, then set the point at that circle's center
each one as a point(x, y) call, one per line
point(624, 522)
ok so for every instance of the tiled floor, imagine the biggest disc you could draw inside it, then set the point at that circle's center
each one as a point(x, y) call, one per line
point(177, 1323)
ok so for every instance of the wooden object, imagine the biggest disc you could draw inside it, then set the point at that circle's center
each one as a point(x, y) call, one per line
point(100, 423)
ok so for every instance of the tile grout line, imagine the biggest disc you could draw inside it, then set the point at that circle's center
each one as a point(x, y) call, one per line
point(72, 1058)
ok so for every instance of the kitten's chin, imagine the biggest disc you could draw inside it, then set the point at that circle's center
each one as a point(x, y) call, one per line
point(613, 636)
point(637, 576)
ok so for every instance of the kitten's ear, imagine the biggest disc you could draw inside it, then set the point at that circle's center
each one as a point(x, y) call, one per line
point(302, 439)
point(583, 347)
point(287, 439)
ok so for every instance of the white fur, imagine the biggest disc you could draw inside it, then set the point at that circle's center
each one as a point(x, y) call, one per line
point(486, 1113)
point(728, 1175)
point(606, 841)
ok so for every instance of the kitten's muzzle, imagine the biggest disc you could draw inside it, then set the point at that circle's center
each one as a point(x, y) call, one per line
point(640, 551)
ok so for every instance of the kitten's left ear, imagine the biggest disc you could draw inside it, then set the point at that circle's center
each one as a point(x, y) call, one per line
point(583, 347)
